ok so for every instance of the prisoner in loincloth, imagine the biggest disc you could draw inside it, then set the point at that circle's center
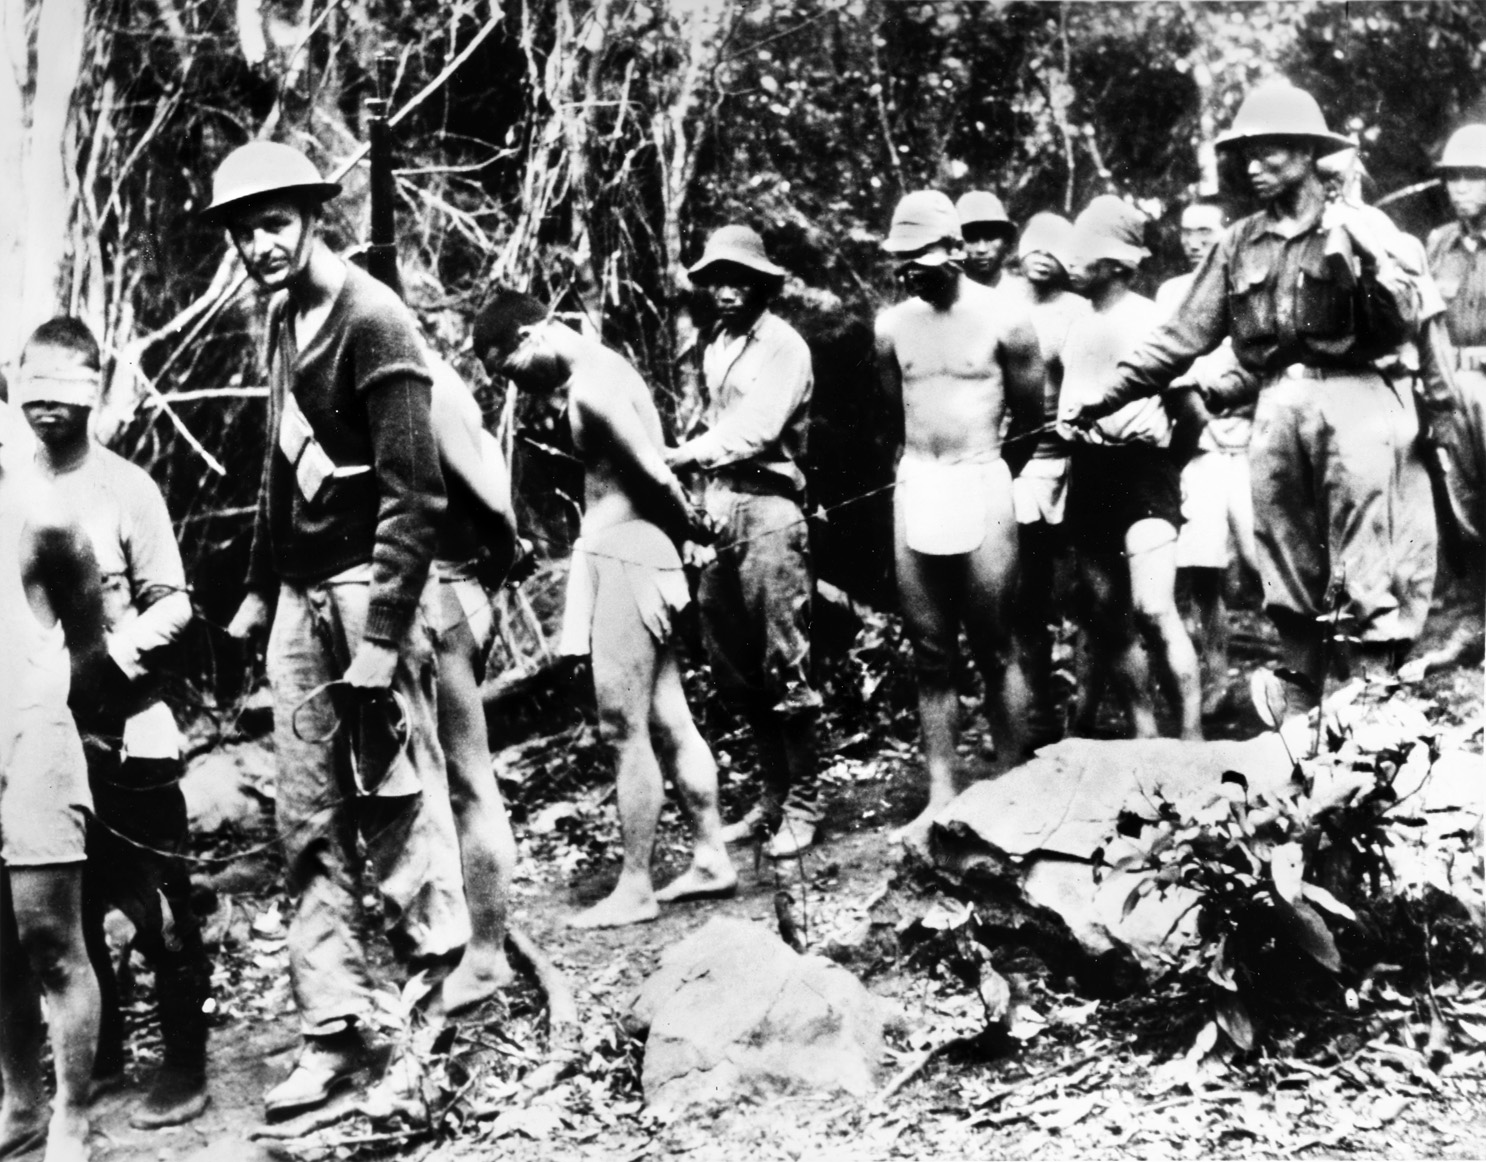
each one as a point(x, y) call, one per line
point(625, 585)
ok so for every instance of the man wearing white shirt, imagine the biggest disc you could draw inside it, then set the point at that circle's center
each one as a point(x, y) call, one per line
point(133, 746)
point(755, 596)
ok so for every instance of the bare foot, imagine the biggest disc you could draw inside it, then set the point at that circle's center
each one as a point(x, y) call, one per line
point(915, 834)
point(67, 1139)
point(698, 882)
point(624, 905)
point(475, 979)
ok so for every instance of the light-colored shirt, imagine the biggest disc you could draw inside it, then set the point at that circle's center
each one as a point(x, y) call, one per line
point(758, 408)
point(1095, 345)
point(146, 605)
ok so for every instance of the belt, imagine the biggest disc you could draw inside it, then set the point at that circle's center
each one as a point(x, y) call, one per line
point(1471, 358)
point(1306, 371)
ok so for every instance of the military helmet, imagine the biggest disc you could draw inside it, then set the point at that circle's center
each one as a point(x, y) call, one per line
point(1279, 109)
point(263, 168)
point(1466, 149)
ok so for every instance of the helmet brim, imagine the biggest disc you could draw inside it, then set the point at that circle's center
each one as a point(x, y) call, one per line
point(317, 193)
point(1329, 142)
point(762, 267)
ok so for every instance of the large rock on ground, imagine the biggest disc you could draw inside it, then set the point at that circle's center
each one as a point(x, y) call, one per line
point(1029, 839)
point(734, 1012)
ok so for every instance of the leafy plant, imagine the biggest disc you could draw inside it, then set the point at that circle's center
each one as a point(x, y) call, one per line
point(1285, 890)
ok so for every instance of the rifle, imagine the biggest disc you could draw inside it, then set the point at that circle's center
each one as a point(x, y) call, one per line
point(381, 250)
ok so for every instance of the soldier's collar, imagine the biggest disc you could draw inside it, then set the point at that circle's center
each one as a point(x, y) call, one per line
point(1281, 228)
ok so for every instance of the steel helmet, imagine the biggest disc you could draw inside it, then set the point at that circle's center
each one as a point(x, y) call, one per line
point(740, 246)
point(1279, 109)
point(265, 167)
point(921, 219)
point(1466, 149)
point(981, 207)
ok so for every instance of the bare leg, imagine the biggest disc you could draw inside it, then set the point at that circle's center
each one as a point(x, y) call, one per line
point(23, 1099)
point(1113, 645)
point(487, 848)
point(1036, 609)
point(991, 587)
point(688, 760)
point(1150, 546)
point(930, 605)
point(47, 903)
point(626, 665)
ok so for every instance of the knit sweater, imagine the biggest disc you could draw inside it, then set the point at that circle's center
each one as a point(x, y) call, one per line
point(363, 385)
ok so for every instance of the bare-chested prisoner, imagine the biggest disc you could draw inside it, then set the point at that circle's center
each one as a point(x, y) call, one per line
point(956, 358)
point(625, 586)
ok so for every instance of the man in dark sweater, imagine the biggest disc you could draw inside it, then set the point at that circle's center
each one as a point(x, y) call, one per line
point(352, 495)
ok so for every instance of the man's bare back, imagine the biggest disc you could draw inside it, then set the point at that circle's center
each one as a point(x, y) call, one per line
point(618, 436)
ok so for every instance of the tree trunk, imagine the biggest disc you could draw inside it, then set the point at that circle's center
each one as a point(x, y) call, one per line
point(35, 149)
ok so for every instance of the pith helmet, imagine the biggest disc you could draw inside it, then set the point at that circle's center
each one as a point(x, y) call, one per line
point(265, 167)
point(923, 218)
point(740, 246)
point(981, 207)
point(1279, 109)
point(1466, 149)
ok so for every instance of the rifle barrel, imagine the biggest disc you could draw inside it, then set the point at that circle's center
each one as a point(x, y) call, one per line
point(381, 253)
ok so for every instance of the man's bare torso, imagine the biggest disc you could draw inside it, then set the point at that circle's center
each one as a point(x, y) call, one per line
point(951, 367)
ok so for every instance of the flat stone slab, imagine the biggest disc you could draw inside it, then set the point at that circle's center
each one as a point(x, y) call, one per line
point(1037, 830)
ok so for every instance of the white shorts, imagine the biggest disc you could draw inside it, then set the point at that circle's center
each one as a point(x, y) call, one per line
point(946, 505)
point(1040, 492)
point(1214, 485)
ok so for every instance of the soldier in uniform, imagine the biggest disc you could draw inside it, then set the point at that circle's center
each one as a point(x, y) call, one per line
point(348, 520)
point(1312, 295)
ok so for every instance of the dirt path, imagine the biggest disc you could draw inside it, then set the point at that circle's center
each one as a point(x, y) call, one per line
point(1091, 1084)
point(1110, 1105)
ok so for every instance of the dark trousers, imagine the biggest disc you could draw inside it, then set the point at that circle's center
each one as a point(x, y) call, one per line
point(135, 838)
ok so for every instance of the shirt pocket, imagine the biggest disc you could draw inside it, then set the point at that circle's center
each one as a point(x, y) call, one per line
point(1251, 303)
point(1323, 300)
